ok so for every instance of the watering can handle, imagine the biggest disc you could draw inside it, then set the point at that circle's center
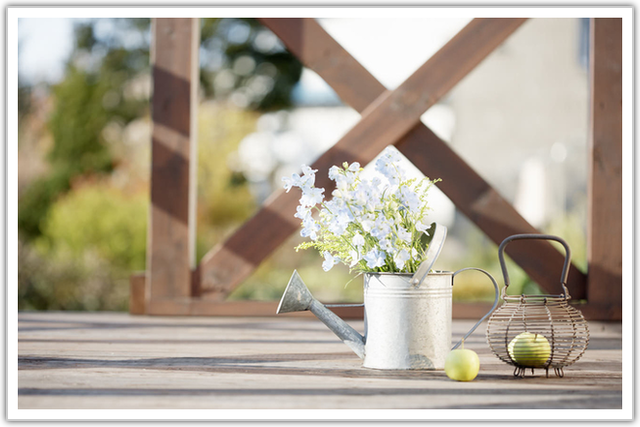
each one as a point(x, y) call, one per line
point(565, 268)
point(495, 302)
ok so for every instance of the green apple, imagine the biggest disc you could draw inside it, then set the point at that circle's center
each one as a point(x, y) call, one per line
point(462, 364)
point(529, 350)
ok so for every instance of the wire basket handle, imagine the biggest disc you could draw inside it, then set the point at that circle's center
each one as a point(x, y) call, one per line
point(565, 268)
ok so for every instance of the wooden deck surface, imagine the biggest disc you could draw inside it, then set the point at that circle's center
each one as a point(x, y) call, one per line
point(115, 360)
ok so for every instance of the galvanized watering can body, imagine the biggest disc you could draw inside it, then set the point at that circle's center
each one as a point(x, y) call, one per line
point(407, 326)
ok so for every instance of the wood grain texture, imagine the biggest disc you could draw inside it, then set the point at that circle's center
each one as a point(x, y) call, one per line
point(604, 235)
point(170, 241)
point(113, 361)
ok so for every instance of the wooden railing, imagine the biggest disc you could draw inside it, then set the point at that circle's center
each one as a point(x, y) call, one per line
point(174, 284)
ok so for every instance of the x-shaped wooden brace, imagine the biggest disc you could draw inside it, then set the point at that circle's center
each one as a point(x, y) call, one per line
point(389, 117)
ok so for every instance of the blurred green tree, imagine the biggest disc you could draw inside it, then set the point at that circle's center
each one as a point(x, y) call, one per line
point(240, 61)
point(245, 62)
point(82, 225)
point(89, 97)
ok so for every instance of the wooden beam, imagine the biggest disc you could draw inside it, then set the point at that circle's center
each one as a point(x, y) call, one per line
point(383, 122)
point(318, 51)
point(604, 231)
point(471, 194)
point(488, 210)
point(137, 295)
point(170, 256)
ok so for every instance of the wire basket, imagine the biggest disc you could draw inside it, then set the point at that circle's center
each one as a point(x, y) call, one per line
point(537, 331)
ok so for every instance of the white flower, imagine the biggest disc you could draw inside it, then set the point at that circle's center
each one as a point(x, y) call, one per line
point(388, 165)
point(358, 240)
point(386, 245)
point(372, 220)
point(410, 199)
point(381, 228)
point(375, 258)
point(340, 222)
point(422, 227)
point(334, 172)
point(354, 167)
point(355, 258)
point(404, 235)
point(361, 196)
point(401, 257)
point(308, 171)
point(303, 212)
point(294, 181)
point(312, 197)
point(304, 182)
point(310, 228)
point(367, 225)
point(329, 261)
point(344, 178)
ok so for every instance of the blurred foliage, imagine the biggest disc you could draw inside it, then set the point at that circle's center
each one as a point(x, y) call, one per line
point(93, 239)
point(99, 219)
point(89, 97)
point(82, 223)
point(243, 60)
point(224, 199)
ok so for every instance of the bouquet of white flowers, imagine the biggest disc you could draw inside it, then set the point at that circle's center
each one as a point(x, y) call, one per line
point(376, 225)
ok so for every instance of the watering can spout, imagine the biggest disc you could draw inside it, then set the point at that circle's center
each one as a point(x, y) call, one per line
point(297, 297)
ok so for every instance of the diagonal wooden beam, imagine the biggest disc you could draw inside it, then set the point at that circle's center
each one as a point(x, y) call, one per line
point(471, 194)
point(383, 122)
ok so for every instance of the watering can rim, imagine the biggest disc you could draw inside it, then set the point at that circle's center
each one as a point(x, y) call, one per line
point(389, 273)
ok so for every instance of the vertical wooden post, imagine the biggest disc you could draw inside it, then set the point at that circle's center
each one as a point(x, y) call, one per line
point(170, 248)
point(604, 234)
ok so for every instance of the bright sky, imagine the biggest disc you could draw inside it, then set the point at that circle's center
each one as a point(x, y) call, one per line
point(390, 48)
point(390, 42)
point(44, 45)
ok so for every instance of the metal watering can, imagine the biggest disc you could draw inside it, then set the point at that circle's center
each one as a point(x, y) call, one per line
point(407, 317)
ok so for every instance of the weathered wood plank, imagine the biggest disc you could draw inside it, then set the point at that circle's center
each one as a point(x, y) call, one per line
point(174, 59)
point(137, 294)
point(383, 122)
point(604, 234)
point(115, 361)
